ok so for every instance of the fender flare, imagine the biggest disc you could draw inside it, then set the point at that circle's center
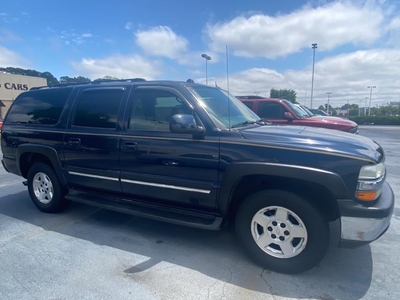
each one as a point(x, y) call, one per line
point(236, 171)
point(49, 152)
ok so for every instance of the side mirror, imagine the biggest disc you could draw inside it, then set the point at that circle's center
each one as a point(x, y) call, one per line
point(288, 116)
point(185, 124)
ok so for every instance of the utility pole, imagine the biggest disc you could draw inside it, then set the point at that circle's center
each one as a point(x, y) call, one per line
point(365, 108)
point(207, 58)
point(328, 93)
point(370, 97)
point(313, 46)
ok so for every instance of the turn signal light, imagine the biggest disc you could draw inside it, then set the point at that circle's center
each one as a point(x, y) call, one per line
point(366, 195)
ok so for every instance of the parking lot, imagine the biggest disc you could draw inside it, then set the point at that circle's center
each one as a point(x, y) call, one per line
point(90, 253)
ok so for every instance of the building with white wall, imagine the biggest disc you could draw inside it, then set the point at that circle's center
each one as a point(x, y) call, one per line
point(11, 85)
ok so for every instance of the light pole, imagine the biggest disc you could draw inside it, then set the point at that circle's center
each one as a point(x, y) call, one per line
point(370, 98)
point(365, 108)
point(313, 46)
point(207, 58)
point(328, 93)
point(359, 109)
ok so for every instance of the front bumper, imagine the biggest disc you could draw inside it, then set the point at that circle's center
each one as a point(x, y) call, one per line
point(362, 224)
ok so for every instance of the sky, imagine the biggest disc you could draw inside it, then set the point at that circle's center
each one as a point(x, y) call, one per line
point(260, 44)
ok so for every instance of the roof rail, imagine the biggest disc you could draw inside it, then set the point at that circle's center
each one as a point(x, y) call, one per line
point(250, 97)
point(96, 81)
point(58, 85)
point(118, 80)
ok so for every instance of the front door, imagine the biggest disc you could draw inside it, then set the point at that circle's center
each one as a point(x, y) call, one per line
point(273, 112)
point(160, 166)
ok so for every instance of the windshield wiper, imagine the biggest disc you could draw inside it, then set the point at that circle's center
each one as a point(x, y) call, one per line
point(259, 122)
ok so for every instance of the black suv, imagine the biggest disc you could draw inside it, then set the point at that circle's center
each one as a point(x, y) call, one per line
point(194, 155)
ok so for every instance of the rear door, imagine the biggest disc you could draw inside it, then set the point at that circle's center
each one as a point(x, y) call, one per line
point(92, 139)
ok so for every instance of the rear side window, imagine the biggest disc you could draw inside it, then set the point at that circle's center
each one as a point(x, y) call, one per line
point(98, 108)
point(41, 107)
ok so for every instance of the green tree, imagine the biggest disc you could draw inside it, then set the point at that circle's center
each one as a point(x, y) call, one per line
point(289, 95)
point(353, 112)
point(111, 77)
point(107, 77)
point(79, 79)
point(51, 80)
point(349, 106)
point(386, 110)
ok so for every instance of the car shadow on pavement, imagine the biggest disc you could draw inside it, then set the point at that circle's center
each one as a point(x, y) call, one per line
point(342, 274)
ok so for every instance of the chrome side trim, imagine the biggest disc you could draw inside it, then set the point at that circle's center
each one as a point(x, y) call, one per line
point(167, 186)
point(363, 229)
point(93, 176)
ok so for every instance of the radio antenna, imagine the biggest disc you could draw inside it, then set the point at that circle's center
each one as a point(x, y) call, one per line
point(227, 84)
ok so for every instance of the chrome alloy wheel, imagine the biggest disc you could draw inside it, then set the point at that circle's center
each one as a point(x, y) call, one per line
point(279, 232)
point(43, 187)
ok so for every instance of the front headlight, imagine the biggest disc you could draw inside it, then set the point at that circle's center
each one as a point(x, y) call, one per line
point(372, 171)
point(370, 182)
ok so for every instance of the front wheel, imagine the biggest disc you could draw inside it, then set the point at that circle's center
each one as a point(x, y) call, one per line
point(45, 189)
point(282, 231)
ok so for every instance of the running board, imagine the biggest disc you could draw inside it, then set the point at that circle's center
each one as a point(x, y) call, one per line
point(146, 210)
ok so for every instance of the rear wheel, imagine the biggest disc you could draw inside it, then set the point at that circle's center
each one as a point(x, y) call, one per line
point(45, 189)
point(282, 231)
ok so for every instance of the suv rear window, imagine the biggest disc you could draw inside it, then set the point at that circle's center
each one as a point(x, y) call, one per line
point(38, 107)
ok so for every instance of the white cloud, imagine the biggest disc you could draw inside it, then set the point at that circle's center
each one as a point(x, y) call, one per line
point(346, 76)
point(394, 32)
point(121, 66)
point(128, 26)
point(71, 36)
point(161, 41)
point(330, 25)
point(9, 58)
point(7, 36)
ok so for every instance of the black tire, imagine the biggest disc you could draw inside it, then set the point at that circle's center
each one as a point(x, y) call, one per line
point(302, 219)
point(50, 197)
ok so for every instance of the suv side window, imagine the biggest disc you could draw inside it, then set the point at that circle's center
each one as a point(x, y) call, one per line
point(98, 108)
point(152, 110)
point(249, 104)
point(272, 110)
point(42, 107)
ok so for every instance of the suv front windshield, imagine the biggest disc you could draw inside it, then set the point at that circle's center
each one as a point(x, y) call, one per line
point(226, 110)
point(297, 110)
point(309, 112)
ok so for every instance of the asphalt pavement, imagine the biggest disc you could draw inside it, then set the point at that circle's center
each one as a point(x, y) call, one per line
point(90, 253)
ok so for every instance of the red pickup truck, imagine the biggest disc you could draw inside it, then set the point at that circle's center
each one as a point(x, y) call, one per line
point(284, 112)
